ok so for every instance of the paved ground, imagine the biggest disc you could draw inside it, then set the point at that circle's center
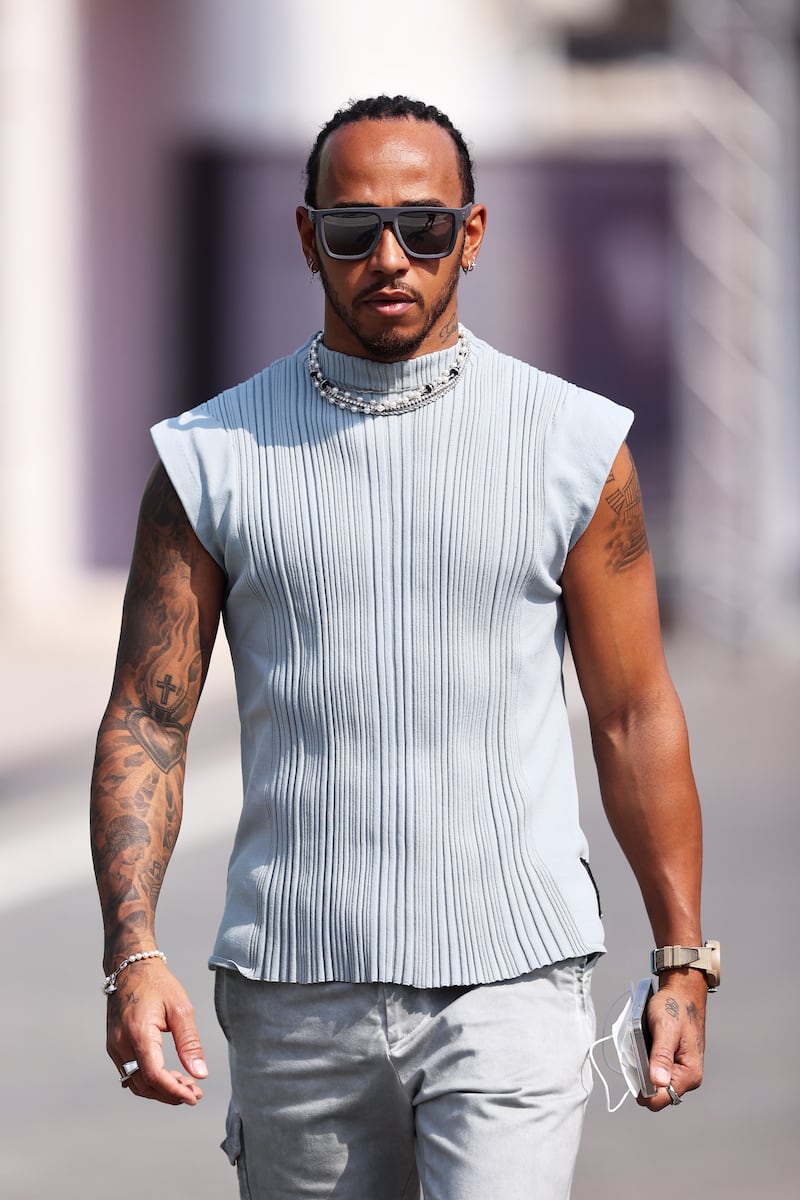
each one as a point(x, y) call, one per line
point(69, 1131)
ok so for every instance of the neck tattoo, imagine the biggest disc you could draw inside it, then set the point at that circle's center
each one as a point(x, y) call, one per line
point(405, 402)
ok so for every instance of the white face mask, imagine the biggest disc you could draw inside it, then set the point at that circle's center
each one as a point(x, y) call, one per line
point(622, 1037)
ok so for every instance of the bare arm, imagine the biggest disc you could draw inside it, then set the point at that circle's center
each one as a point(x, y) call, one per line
point(641, 749)
point(170, 617)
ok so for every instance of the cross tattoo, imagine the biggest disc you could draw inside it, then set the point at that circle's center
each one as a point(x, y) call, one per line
point(166, 686)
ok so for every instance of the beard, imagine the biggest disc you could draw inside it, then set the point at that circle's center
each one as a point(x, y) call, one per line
point(392, 345)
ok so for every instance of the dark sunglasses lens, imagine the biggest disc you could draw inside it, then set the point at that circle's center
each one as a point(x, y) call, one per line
point(428, 232)
point(350, 234)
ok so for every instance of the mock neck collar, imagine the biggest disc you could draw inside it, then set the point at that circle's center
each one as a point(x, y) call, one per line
point(366, 375)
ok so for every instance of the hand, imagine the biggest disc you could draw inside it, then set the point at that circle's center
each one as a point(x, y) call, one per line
point(149, 1002)
point(676, 1016)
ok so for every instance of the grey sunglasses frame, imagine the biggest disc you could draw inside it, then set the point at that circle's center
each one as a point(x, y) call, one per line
point(388, 216)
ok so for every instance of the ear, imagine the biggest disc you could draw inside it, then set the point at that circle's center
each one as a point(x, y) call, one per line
point(307, 236)
point(473, 235)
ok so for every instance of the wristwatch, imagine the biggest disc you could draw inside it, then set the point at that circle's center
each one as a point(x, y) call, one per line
point(705, 958)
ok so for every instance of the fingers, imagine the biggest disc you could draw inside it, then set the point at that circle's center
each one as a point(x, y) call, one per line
point(168, 1087)
point(150, 1079)
point(153, 1081)
point(137, 1019)
point(676, 1016)
point(664, 1098)
point(187, 1043)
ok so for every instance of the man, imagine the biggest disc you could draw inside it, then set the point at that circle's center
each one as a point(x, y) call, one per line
point(398, 524)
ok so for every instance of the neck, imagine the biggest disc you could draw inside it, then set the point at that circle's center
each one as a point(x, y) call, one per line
point(370, 386)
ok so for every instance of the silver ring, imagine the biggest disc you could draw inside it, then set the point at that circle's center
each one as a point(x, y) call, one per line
point(129, 1069)
point(674, 1098)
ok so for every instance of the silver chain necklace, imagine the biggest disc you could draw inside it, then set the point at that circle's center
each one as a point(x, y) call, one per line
point(406, 402)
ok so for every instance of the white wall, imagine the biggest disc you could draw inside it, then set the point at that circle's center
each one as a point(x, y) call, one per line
point(41, 299)
point(259, 69)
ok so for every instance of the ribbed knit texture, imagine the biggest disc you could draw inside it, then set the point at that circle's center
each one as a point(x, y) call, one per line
point(410, 811)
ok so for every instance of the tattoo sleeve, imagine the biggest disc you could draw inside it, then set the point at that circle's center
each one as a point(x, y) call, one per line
point(628, 540)
point(137, 783)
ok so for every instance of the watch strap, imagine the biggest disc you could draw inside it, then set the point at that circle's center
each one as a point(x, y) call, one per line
point(705, 958)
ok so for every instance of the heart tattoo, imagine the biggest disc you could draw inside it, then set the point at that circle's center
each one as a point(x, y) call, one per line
point(164, 743)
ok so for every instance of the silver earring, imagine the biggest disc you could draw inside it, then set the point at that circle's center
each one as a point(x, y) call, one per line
point(469, 267)
point(312, 266)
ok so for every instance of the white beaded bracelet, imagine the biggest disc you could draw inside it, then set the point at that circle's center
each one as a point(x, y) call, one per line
point(110, 984)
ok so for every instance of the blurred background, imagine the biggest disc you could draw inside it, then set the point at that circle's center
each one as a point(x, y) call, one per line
point(639, 159)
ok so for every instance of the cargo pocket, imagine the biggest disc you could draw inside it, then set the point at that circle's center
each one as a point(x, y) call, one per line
point(234, 1149)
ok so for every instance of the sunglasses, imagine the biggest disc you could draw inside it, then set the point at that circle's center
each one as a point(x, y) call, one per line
point(353, 233)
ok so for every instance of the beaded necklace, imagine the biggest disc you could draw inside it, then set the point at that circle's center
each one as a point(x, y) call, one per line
point(406, 402)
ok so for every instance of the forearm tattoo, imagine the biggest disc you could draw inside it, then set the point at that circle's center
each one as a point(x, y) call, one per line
point(628, 541)
point(137, 784)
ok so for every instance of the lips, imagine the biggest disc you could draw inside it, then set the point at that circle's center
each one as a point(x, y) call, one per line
point(390, 303)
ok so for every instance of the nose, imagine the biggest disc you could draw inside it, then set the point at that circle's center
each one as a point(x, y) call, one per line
point(389, 257)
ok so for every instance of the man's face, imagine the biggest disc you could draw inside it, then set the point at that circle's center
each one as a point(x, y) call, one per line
point(390, 306)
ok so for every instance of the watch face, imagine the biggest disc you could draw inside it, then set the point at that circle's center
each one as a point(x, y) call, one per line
point(713, 975)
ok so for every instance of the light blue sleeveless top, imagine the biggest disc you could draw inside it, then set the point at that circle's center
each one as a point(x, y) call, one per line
point(394, 617)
